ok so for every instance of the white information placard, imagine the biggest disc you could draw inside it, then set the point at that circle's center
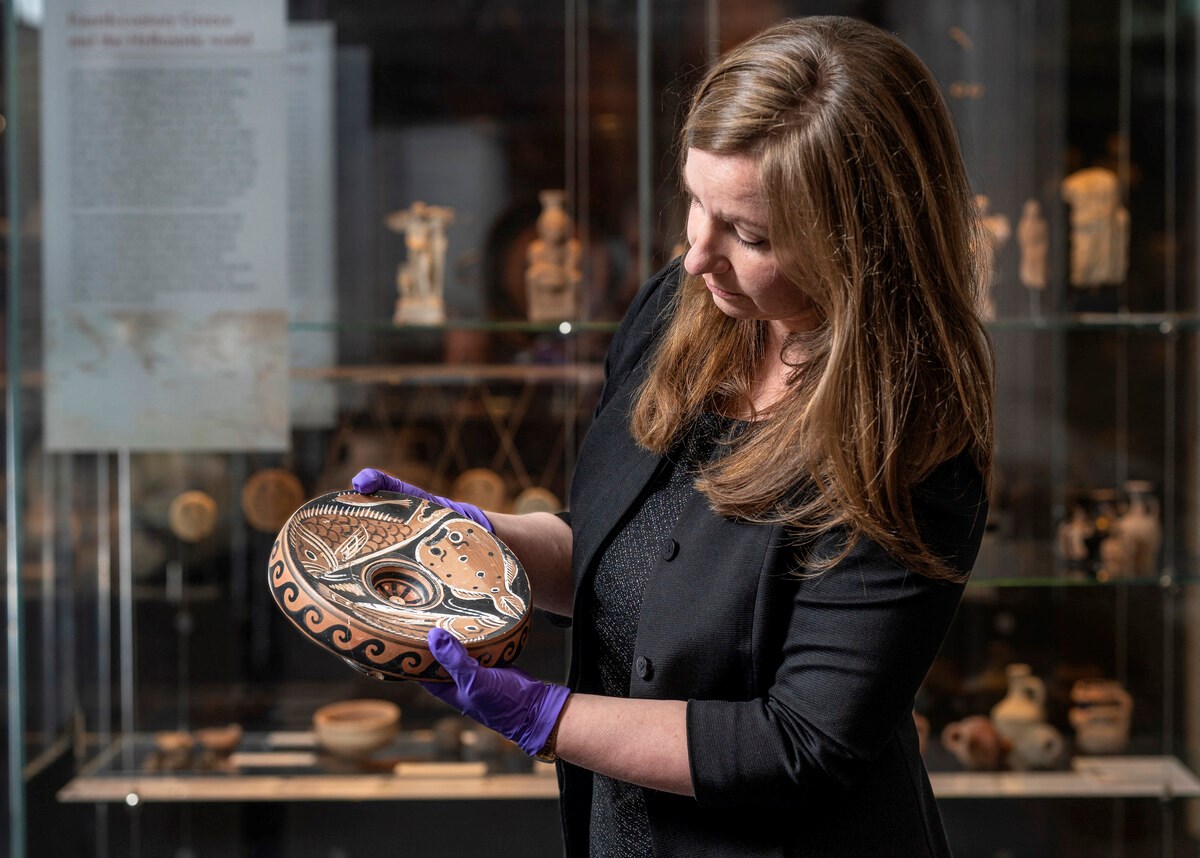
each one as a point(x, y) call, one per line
point(165, 224)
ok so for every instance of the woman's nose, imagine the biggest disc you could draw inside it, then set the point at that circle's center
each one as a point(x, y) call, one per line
point(703, 257)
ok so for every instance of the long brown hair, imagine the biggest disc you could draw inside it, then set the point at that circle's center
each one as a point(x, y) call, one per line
point(870, 213)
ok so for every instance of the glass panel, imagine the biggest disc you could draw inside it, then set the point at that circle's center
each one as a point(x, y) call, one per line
point(135, 626)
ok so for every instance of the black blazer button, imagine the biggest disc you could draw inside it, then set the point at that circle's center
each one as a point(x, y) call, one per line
point(644, 667)
point(670, 549)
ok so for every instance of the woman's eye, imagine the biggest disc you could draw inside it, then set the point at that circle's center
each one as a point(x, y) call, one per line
point(749, 242)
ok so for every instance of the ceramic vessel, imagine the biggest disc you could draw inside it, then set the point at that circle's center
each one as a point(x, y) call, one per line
point(174, 748)
point(1023, 706)
point(355, 728)
point(269, 497)
point(1100, 714)
point(536, 499)
point(975, 742)
point(1038, 746)
point(368, 576)
point(220, 740)
point(482, 487)
point(192, 515)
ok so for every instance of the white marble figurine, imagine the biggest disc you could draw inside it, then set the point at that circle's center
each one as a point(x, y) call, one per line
point(421, 278)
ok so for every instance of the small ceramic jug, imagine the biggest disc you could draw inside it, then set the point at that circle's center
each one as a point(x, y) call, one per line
point(1023, 706)
point(1100, 714)
point(1039, 746)
point(975, 743)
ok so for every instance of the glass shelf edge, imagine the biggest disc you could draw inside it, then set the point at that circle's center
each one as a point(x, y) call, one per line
point(576, 327)
point(1047, 581)
point(1162, 323)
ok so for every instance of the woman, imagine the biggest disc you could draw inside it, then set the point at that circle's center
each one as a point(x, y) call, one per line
point(784, 487)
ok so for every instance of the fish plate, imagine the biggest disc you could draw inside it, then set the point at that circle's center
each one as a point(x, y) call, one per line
point(368, 576)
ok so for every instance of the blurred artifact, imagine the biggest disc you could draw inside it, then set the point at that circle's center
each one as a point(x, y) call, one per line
point(482, 487)
point(1033, 237)
point(1139, 528)
point(269, 497)
point(998, 232)
point(192, 515)
point(1040, 746)
point(1100, 714)
point(172, 750)
point(536, 499)
point(368, 576)
point(975, 742)
point(1023, 706)
point(1099, 227)
point(220, 741)
point(354, 728)
point(1073, 536)
point(1021, 719)
point(552, 274)
point(421, 278)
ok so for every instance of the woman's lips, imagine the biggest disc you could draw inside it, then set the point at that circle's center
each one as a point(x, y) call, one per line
point(718, 291)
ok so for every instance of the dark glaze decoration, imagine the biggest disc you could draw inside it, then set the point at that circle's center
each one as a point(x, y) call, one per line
point(367, 577)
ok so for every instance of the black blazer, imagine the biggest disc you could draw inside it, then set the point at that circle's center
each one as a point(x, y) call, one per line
point(799, 689)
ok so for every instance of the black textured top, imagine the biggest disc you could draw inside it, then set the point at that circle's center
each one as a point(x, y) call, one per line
point(619, 824)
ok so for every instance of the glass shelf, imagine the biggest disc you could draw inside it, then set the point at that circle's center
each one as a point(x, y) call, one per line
point(1162, 582)
point(438, 373)
point(1160, 323)
point(489, 326)
point(1089, 777)
point(264, 769)
point(289, 767)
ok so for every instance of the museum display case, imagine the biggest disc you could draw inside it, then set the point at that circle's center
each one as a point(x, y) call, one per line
point(251, 251)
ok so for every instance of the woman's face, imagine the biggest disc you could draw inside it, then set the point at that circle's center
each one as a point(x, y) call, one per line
point(727, 231)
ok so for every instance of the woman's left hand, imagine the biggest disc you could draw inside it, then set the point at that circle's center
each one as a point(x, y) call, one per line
point(505, 699)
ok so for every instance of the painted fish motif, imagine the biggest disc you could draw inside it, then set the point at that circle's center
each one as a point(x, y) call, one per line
point(455, 553)
point(329, 540)
point(336, 543)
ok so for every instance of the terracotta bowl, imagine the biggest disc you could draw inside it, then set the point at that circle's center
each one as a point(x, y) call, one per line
point(368, 576)
point(219, 740)
point(355, 728)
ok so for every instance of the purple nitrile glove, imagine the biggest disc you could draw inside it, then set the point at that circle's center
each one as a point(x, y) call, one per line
point(369, 480)
point(506, 699)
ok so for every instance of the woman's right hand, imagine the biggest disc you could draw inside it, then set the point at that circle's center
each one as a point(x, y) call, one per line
point(370, 480)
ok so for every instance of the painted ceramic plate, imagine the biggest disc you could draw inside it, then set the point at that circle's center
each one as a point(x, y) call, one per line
point(367, 577)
